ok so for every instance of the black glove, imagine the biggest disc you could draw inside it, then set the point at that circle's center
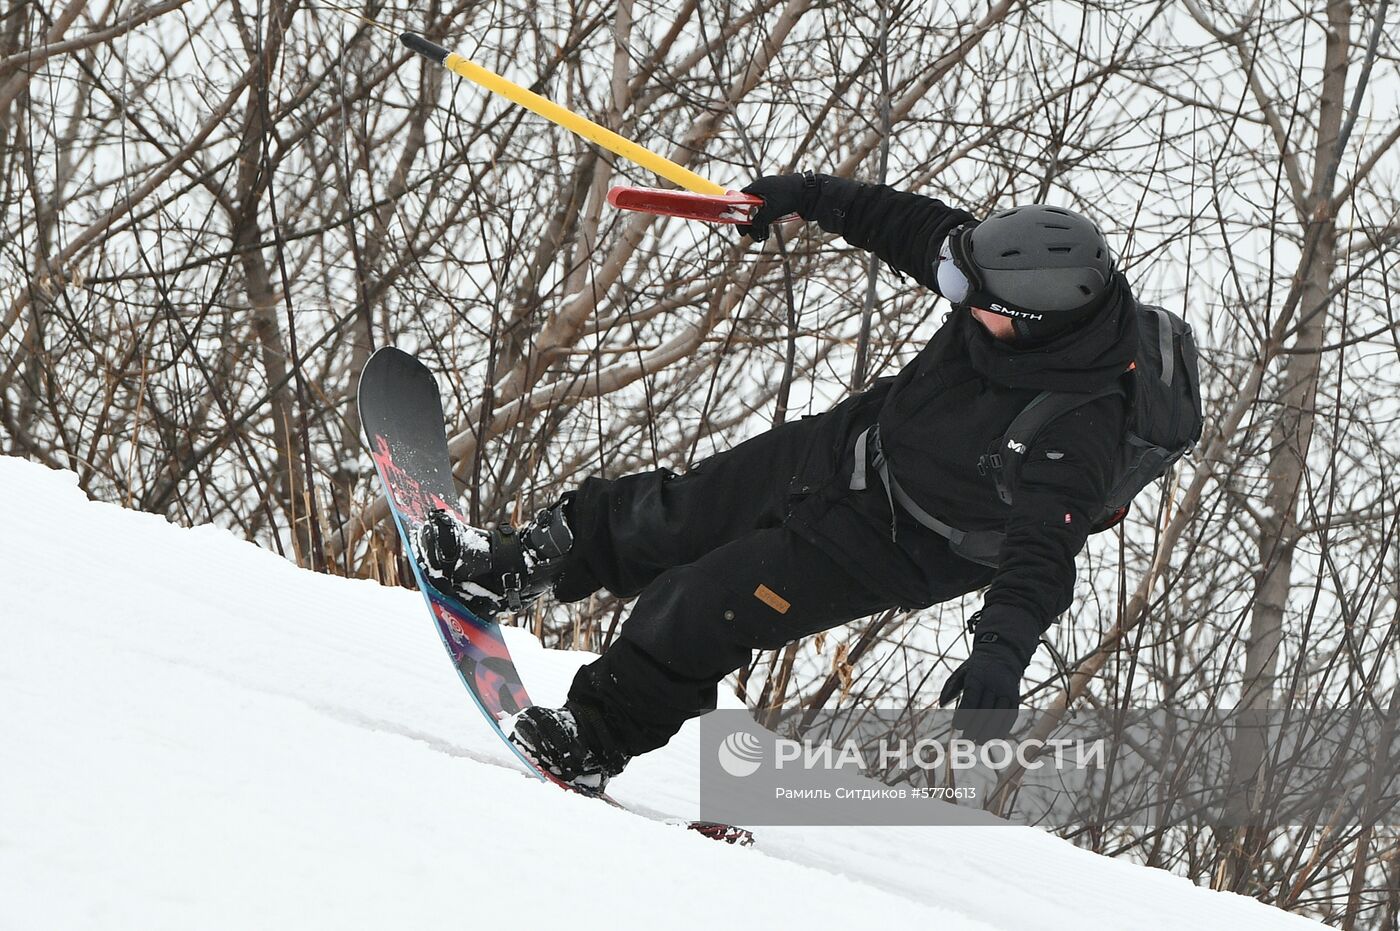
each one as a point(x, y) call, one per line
point(989, 680)
point(782, 195)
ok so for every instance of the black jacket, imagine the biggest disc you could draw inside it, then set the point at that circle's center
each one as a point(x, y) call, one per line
point(953, 403)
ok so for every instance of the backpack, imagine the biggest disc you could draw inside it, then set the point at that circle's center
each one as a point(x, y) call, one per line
point(1163, 387)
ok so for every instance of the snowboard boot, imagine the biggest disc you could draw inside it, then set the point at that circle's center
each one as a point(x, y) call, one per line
point(570, 743)
point(489, 571)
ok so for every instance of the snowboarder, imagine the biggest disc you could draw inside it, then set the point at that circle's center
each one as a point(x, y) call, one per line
point(869, 506)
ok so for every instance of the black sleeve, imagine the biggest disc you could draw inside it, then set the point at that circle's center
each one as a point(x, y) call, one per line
point(1062, 485)
point(906, 230)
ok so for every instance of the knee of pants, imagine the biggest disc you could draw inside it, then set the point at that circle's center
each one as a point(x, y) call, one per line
point(624, 534)
point(700, 624)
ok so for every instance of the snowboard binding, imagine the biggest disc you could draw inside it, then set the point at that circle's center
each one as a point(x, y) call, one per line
point(569, 744)
point(505, 568)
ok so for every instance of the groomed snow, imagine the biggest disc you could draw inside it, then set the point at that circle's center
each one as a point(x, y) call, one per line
point(194, 733)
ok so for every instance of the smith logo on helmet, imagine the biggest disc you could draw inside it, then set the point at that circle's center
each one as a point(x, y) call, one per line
point(1012, 312)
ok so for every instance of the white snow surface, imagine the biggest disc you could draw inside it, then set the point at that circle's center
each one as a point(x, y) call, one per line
point(194, 733)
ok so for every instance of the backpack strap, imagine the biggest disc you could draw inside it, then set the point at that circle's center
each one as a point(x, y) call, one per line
point(979, 546)
point(1043, 408)
point(1164, 340)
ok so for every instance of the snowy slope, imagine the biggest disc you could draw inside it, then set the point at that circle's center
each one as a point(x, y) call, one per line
point(195, 733)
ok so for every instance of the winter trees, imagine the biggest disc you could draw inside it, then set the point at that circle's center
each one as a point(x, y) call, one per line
point(213, 211)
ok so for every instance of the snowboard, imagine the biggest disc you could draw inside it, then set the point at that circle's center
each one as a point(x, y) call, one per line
point(401, 413)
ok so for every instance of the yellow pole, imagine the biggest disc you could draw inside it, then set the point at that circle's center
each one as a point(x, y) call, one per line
point(565, 117)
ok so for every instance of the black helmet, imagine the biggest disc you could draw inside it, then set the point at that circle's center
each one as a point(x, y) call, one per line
point(1045, 267)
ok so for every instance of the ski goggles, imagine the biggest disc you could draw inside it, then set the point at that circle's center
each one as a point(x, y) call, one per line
point(953, 282)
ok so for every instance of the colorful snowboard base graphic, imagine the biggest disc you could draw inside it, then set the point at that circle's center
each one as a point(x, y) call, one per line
point(401, 412)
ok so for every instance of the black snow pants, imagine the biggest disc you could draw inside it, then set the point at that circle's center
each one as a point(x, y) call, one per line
point(719, 570)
